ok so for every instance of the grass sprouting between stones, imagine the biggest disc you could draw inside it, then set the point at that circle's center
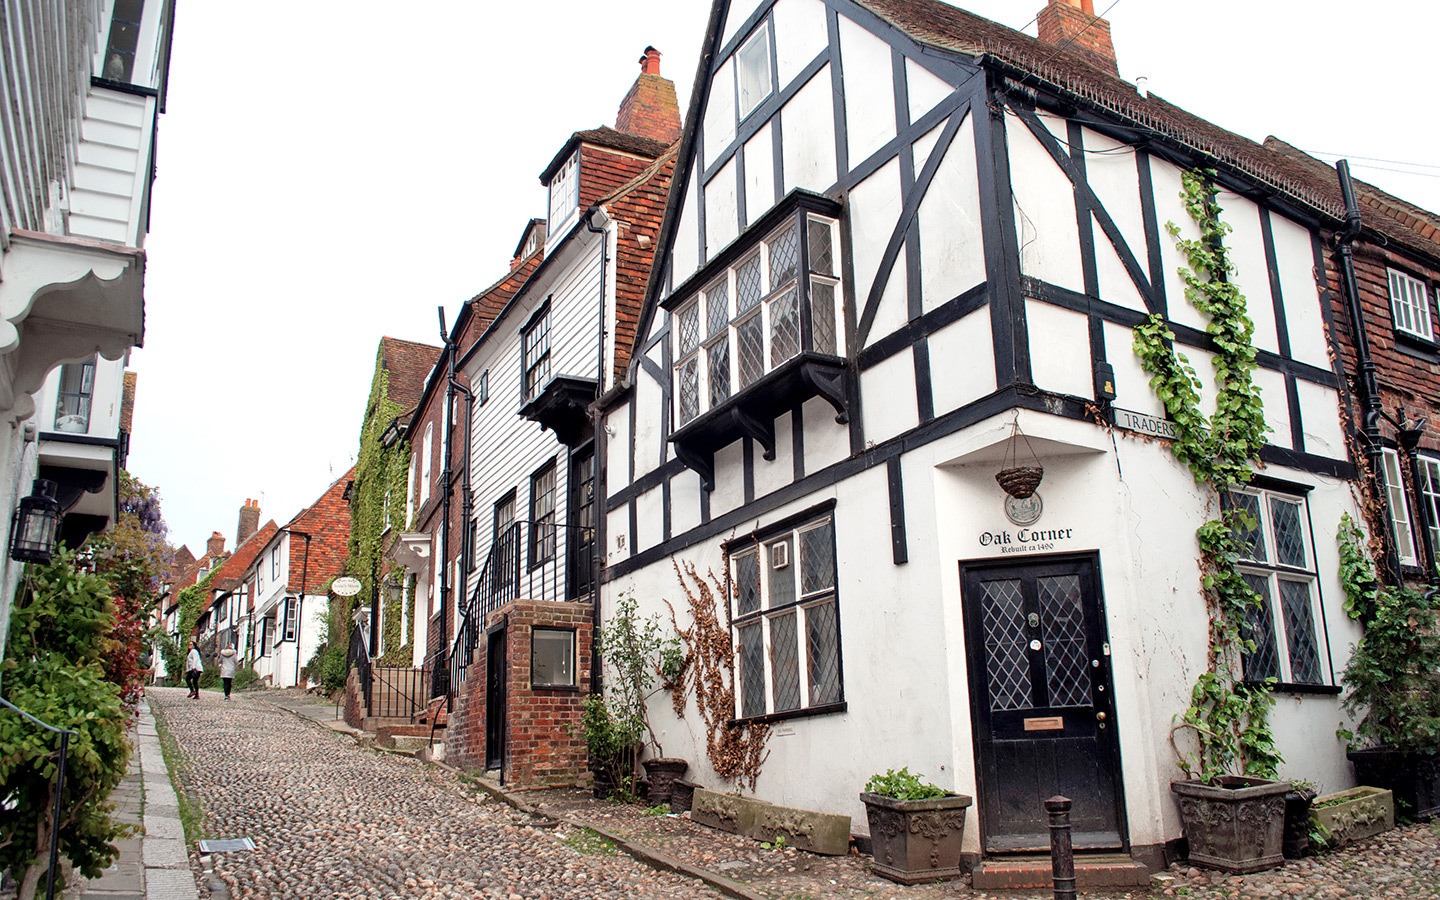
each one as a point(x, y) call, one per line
point(192, 816)
point(589, 842)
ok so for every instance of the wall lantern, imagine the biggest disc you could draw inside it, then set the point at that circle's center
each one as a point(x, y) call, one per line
point(32, 531)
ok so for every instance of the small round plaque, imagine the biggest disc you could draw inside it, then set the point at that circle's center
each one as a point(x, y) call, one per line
point(1024, 511)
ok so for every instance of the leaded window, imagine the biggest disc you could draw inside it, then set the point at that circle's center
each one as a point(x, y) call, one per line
point(1410, 305)
point(1399, 503)
point(759, 314)
point(1282, 628)
point(786, 621)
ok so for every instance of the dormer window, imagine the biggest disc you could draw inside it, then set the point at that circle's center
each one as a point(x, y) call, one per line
point(753, 70)
point(565, 192)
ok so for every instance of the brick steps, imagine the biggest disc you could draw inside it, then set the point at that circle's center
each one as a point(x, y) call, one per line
point(1111, 870)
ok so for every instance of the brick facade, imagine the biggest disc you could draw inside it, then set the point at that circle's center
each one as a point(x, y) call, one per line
point(543, 746)
point(1073, 23)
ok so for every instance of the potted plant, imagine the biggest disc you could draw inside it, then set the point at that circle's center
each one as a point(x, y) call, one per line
point(1392, 683)
point(637, 653)
point(1353, 815)
point(916, 828)
point(1296, 842)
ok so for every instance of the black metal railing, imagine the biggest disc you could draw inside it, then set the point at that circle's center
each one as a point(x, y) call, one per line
point(398, 693)
point(65, 735)
point(533, 560)
point(438, 665)
point(359, 660)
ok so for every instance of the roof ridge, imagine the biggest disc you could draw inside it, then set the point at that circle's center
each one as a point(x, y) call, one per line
point(645, 175)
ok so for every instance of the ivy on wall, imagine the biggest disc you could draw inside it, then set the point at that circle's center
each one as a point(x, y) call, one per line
point(1228, 719)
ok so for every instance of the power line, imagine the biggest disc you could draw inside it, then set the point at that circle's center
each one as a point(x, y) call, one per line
point(1393, 162)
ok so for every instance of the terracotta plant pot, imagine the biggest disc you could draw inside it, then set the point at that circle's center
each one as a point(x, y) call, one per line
point(1237, 825)
point(916, 841)
point(662, 773)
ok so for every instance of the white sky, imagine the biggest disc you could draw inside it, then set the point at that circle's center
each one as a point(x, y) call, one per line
point(332, 172)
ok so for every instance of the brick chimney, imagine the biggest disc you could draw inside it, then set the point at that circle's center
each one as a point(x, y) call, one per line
point(216, 545)
point(1074, 24)
point(651, 109)
point(249, 521)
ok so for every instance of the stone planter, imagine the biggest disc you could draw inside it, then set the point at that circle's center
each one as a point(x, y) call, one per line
point(726, 812)
point(682, 795)
point(1235, 826)
point(1355, 814)
point(915, 841)
point(661, 774)
point(1297, 823)
point(1413, 778)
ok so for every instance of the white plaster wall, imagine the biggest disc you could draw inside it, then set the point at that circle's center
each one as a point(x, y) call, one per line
point(1059, 349)
point(925, 89)
point(962, 362)
point(685, 252)
point(1044, 211)
point(734, 18)
point(869, 90)
point(801, 34)
point(617, 528)
point(719, 121)
point(807, 127)
point(874, 210)
point(617, 444)
point(1276, 406)
point(722, 215)
point(1304, 321)
point(684, 502)
point(729, 490)
point(649, 407)
point(1169, 209)
point(1111, 173)
point(649, 522)
point(759, 173)
point(1246, 244)
point(826, 441)
point(952, 247)
point(1132, 384)
point(887, 392)
point(771, 475)
point(1321, 416)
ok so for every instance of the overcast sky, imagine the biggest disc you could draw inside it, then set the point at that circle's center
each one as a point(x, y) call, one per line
point(333, 172)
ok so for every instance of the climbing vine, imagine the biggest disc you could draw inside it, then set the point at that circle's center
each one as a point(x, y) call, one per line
point(1229, 719)
point(736, 750)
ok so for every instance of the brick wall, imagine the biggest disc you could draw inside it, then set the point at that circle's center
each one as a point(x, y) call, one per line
point(1063, 24)
point(542, 745)
point(354, 701)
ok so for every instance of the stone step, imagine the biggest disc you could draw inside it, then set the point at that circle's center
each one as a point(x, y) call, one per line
point(1110, 870)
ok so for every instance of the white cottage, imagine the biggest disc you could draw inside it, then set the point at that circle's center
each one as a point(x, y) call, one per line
point(898, 233)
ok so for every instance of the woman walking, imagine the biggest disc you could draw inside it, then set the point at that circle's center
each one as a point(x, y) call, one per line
point(227, 669)
point(193, 667)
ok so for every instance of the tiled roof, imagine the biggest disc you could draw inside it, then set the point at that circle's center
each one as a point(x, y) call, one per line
point(408, 364)
point(947, 28)
point(487, 304)
point(327, 521)
point(232, 571)
point(638, 206)
point(607, 137)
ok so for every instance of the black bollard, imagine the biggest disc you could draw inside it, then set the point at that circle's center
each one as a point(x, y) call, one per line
point(1062, 853)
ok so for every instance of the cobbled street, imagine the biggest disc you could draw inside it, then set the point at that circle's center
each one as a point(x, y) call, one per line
point(332, 820)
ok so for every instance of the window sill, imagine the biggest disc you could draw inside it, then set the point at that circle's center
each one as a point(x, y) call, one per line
point(1287, 687)
point(1416, 346)
point(768, 718)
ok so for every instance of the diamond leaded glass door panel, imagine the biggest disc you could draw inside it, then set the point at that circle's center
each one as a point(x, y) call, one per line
point(1041, 700)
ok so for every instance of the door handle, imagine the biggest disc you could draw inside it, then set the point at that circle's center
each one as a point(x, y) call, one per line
point(1100, 717)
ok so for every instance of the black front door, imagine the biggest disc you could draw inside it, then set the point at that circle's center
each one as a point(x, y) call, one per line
point(495, 699)
point(581, 533)
point(1041, 695)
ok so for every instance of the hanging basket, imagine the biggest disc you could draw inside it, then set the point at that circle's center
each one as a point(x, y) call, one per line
point(1016, 480)
point(1020, 481)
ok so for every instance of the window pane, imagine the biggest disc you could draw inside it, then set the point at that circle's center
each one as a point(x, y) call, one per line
point(552, 657)
point(1289, 538)
point(817, 558)
point(784, 327)
point(1007, 661)
point(822, 635)
point(1410, 304)
point(689, 328)
point(822, 255)
point(1430, 488)
point(822, 317)
point(1399, 508)
point(752, 671)
point(1260, 628)
point(747, 582)
point(718, 364)
point(717, 307)
point(1252, 541)
point(750, 341)
point(752, 65)
point(1300, 631)
point(784, 662)
point(784, 258)
point(747, 284)
point(1067, 663)
point(689, 389)
point(780, 558)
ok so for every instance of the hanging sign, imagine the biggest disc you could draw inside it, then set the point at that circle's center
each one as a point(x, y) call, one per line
point(345, 586)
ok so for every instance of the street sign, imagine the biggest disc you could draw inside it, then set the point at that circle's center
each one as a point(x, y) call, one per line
point(345, 586)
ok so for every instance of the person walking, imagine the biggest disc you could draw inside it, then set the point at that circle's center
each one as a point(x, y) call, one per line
point(193, 667)
point(227, 669)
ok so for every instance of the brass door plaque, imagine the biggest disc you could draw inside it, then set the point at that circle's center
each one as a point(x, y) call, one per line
point(1045, 723)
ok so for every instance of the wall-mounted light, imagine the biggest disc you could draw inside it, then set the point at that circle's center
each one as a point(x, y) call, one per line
point(32, 531)
point(392, 435)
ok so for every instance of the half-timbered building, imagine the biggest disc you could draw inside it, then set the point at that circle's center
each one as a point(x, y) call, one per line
point(904, 246)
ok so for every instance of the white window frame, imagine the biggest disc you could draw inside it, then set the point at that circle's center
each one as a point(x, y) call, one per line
point(1402, 529)
point(535, 346)
point(801, 605)
point(725, 287)
point(291, 627)
point(1275, 571)
point(569, 667)
point(427, 449)
point(756, 49)
point(81, 398)
point(1430, 496)
point(1410, 304)
point(275, 563)
point(564, 192)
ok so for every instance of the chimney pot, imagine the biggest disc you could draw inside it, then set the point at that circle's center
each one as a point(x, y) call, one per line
point(650, 62)
point(650, 109)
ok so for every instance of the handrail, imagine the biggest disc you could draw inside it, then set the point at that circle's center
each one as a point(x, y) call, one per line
point(359, 660)
point(65, 735)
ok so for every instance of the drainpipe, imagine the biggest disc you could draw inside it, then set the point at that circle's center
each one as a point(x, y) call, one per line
point(1366, 386)
point(443, 561)
point(467, 498)
point(598, 496)
point(300, 600)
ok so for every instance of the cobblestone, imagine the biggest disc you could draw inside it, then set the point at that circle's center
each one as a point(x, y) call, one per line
point(331, 820)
